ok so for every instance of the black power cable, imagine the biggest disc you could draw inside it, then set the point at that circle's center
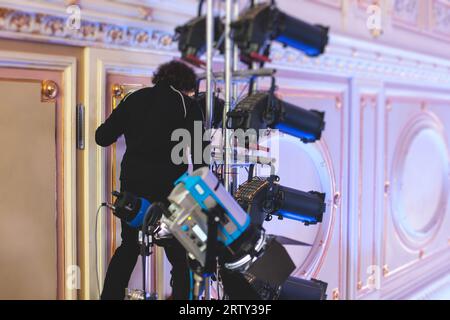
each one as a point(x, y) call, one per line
point(104, 204)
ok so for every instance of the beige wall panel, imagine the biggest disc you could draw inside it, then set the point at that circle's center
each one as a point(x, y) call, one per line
point(28, 249)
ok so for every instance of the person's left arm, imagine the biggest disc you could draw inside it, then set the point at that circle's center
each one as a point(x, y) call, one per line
point(114, 126)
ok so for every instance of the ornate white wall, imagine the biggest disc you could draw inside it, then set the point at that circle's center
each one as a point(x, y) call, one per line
point(383, 160)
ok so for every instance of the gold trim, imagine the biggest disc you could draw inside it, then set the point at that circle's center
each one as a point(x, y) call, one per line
point(387, 186)
point(335, 294)
point(338, 102)
point(376, 33)
point(385, 270)
point(49, 91)
point(421, 253)
point(359, 285)
point(117, 91)
point(337, 199)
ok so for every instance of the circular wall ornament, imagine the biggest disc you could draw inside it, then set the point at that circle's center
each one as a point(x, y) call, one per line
point(420, 180)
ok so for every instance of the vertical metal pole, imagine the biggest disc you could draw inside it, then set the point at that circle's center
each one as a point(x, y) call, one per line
point(146, 275)
point(235, 54)
point(228, 89)
point(209, 88)
point(149, 274)
point(254, 65)
point(234, 97)
point(209, 62)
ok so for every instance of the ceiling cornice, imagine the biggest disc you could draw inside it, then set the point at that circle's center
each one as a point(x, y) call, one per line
point(345, 56)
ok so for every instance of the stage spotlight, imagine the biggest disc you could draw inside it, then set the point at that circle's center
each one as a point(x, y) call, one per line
point(263, 197)
point(239, 288)
point(263, 110)
point(192, 38)
point(211, 225)
point(301, 289)
point(259, 25)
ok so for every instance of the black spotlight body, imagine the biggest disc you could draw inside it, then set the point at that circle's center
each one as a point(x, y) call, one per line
point(302, 289)
point(260, 281)
point(307, 207)
point(262, 197)
point(295, 33)
point(304, 124)
point(192, 38)
point(252, 32)
point(259, 25)
point(262, 110)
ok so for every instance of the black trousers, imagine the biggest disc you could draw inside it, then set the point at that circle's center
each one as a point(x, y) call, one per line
point(125, 257)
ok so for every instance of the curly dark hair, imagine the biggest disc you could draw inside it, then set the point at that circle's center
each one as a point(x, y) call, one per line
point(177, 74)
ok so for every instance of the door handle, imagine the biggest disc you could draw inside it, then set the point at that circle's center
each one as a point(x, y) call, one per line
point(80, 126)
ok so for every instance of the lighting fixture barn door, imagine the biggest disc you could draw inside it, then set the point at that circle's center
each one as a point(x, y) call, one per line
point(31, 205)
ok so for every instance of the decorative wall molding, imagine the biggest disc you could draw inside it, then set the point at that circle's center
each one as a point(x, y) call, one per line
point(331, 3)
point(413, 238)
point(367, 110)
point(437, 290)
point(345, 56)
point(17, 24)
point(406, 12)
point(154, 14)
point(440, 17)
point(430, 18)
point(349, 57)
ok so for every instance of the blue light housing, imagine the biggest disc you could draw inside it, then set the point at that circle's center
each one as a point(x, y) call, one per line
point(297, 217)
point(304, 136)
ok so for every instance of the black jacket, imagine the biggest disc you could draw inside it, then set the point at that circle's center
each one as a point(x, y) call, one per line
point(147, 118)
